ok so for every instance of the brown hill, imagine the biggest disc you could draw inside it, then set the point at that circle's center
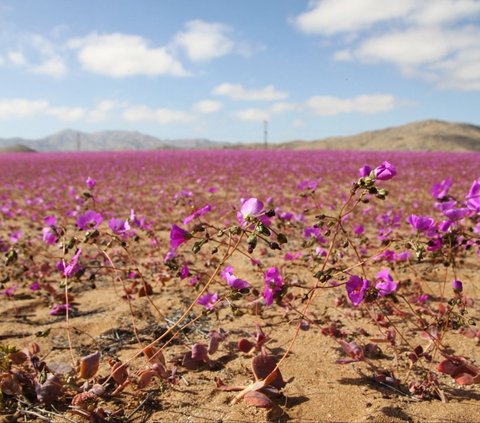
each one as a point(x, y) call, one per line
point(427, 135)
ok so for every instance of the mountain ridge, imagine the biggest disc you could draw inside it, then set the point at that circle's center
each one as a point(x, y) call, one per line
point(425, 135)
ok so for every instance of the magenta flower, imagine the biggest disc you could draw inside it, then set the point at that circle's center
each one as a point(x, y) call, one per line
point(178, 236)
point(385, 283)
point(456, 214)
point(169, 256)
point(89, 220)
point(73, 267)
point(208, 300)
point(91, 183)
point(273, 284)
point(385, 171)
point(356, 288)
point(252, 209)
point(10, 292)
point(59, 309)
point(197, 213)
point(184, 272)
point(364, 171)
point(50, 220)
point(49, 236)
point(457, 286)
point(34, 286)
point(421, 223)
point(441, 189)
point(232, 281)
point(473, 196)
point(119, 226)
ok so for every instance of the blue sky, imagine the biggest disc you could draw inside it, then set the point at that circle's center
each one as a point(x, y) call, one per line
point(218, 68)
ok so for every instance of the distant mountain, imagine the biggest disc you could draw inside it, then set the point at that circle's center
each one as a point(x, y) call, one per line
point(427, 135)
point(70, 140)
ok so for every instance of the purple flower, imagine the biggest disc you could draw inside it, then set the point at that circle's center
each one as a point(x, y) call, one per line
point(440, 190)
point(457, 286)
point(252, 209)
point(119, 226)
point(312, 232)
point(184, 272)
point(197, 213)
point(34, 286)
point(385, 171)
point(232, 280)
point(89, 220)
point(169, 256)
point(356, 288)
point(91, 183)
point(473, 196)
point(50, 220)
point(10, 292)
point(456, 214)
point(385, 283)
point(273, 284)
point(49, 236)
point(208, 300)
point(59, 309)
point(73, 267)
point(364, 171)
point(421, 223)
point(16, 236)
point(178, 236)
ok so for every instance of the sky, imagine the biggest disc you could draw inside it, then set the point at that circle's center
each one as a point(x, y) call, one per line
point(220, 69)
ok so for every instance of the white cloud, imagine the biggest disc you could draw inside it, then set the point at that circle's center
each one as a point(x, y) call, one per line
point(203, 41)
point(67, 114)
point(444, 11)
point(430, 45)
point(343, 56)
point(252, 114)
point(2, 60)
point(255, 114)
point(207, 106)
point(102, 111)
point(332, 16)
point(53, 67)
point(120, 55)
point(371, 103)
point(17, 58)
point(238, 92)
point(429, 39)
point(21, 108)
point(161, 115)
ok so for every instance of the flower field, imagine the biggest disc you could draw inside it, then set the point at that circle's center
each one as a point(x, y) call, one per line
point(240, 285)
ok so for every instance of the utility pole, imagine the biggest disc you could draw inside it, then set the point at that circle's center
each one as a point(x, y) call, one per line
point(265, 133)
point(78, 142)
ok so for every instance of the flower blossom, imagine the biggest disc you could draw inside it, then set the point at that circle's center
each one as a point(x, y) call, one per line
point(197, 213)
point(356, 288)
point(89, 220)
point(421, 223)
point(232, 281)
point(273, 284)
point(178, 236)
point(385, 171)
point(385, 283)
point(90, 183)
point(208, 300)
point(252, 209)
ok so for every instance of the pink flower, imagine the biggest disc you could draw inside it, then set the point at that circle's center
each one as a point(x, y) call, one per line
point(197, 213)
point(208, 300)
point(356, 288)
point(385, 171)
point(385, 283)
point(273, 284)
point(178, 236)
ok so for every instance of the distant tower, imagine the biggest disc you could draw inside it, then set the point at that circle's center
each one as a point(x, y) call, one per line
point(78, 142)
point(265, 133)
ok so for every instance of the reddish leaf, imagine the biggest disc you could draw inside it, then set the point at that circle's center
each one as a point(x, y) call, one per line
point(89, 365)
point(199, 352)
point(215, 339)
point(257, 399)
point(119, 372)
point(145, 290)
point(9, 384)
point(154, 355)
point(263, 365)
point(49, 390)
point(245, 346)
point(352, 349)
